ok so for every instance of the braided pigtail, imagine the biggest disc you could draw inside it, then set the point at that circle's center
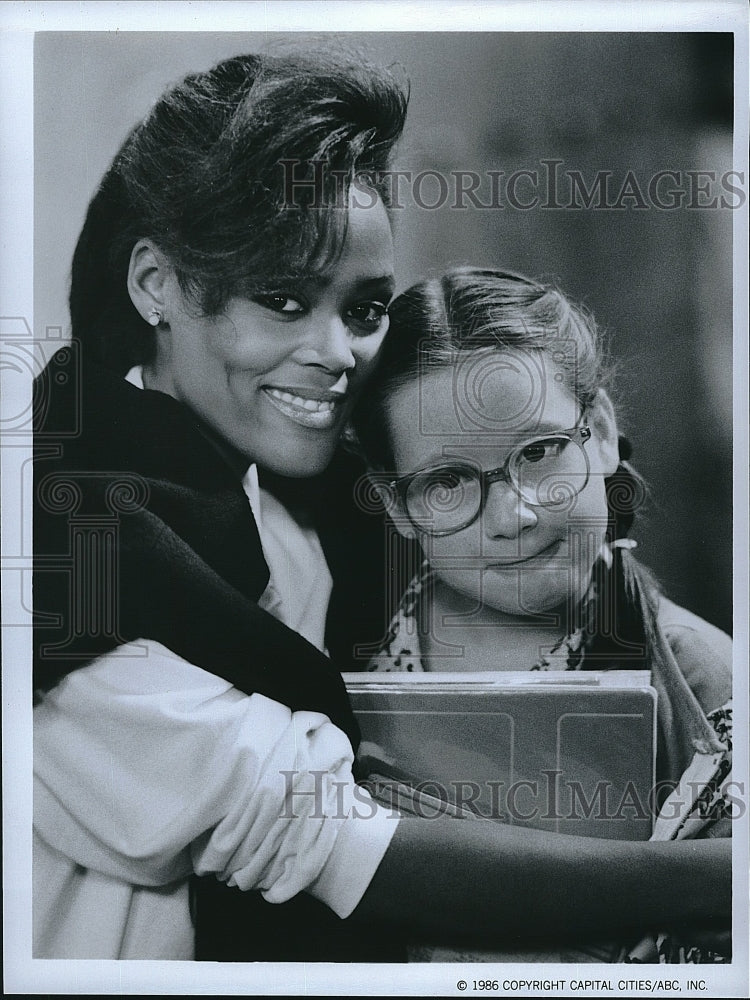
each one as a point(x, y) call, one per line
point(625, 632)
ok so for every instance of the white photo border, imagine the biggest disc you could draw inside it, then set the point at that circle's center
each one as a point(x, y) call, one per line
point(18, 23)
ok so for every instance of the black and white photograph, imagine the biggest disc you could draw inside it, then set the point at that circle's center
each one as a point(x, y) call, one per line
point(375, 498)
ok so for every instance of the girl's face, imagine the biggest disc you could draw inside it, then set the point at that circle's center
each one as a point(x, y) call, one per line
point(276, 375)
point(517, 558)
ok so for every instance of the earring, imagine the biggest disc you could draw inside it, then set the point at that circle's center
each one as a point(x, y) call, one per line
point(154, 317)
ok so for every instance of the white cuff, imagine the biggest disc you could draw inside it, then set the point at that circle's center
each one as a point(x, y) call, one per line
point(359, 848)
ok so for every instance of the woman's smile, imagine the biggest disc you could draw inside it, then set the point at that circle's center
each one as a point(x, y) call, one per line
point(275, 374)
point(309, 407)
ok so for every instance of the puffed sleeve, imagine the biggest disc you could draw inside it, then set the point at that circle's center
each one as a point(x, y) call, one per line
point(703, 653)
point(148, 768)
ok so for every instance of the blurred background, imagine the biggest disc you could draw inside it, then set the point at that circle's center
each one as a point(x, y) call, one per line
point(659, 281)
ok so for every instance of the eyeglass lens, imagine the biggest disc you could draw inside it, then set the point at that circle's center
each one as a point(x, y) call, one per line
point(546, 472)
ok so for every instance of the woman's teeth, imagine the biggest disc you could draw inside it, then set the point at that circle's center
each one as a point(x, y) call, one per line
point(316, 414)
point(313, 405)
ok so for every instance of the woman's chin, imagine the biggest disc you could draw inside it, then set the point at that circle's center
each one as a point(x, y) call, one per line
point(298, 462)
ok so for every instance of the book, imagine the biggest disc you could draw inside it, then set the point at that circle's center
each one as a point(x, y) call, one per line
point(567, 752)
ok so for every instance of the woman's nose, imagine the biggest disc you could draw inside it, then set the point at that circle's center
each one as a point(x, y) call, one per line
point(329, 345)
point(506, 514)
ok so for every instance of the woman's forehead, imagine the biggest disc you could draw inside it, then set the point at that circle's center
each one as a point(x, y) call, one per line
point(358, 238)
point(308, 244)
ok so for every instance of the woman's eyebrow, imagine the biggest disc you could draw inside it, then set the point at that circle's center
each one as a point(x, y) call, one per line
point(382, 281)
point(363, 283)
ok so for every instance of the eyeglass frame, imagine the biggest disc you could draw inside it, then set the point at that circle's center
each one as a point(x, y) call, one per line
point(400, 485)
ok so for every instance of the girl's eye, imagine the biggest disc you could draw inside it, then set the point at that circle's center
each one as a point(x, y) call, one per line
point(366, 318)
point(436, 484)
point(539, 451)
point(445, 479)
point(280, 303)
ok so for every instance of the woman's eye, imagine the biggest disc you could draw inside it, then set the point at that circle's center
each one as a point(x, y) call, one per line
point(367, 317)
point(280, 303)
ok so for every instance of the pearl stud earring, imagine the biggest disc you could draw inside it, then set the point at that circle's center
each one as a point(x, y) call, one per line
point(154, 317)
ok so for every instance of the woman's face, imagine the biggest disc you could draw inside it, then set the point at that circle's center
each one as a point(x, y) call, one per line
point(516, 558)
point(276, 375)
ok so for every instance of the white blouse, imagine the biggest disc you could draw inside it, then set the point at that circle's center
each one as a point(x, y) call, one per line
point(148, 768)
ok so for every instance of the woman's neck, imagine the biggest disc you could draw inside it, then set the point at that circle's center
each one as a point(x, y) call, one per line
point(151, 379)
point(458, 634)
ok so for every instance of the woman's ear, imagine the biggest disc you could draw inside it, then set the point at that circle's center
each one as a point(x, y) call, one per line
point(603, 423)
point(147, 278)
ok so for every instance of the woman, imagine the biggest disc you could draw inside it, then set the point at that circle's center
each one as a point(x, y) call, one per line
point(229, 297)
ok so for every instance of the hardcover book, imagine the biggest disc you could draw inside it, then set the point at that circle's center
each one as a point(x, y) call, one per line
point(563, 752)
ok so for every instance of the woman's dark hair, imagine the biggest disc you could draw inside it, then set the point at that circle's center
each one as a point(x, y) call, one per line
point(237, 174)
point(470, 309)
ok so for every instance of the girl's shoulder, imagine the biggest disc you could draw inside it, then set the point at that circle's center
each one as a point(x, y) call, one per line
point(703, 653)
point(684, 625)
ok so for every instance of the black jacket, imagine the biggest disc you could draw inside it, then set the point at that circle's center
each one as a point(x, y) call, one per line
point(142, 530)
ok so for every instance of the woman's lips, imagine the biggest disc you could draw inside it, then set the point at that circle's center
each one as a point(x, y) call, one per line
point(315, 408)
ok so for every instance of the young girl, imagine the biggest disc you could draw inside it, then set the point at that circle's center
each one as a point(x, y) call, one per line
point(500, 455)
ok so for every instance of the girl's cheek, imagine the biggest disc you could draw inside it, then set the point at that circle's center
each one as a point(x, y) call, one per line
point(461, 549)
point(367, 355)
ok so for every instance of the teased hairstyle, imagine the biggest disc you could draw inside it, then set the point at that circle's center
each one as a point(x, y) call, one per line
point(202, 176)
point(478, 308)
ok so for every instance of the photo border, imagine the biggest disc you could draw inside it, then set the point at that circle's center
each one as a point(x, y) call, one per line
point(18, 23)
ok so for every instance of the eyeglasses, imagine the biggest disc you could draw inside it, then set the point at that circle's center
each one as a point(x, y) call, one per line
point(547, 471)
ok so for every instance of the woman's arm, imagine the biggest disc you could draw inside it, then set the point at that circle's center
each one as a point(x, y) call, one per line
point(148, 769)
point(489, 880)
point(147, 788)
point(494, 880)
